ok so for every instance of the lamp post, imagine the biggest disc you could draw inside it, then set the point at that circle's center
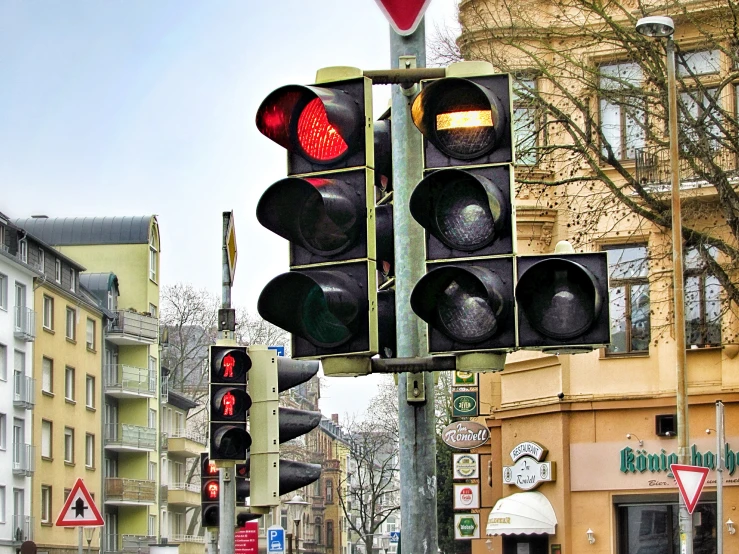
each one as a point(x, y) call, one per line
point(664, 27)
point(295, 509)
point(385, 543)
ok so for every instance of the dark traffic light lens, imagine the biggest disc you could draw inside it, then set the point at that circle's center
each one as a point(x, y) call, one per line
point(466, 133)
point(322, 326)
point(325, 231)
point(464, 310)
point(464, 216)
point(320, 140)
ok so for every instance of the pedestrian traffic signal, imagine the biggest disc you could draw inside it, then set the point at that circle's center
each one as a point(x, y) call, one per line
point(325, 208)
point(465, 204)
point(270, 475)
point(210, 492)
point(562, 301)
point(229, 402)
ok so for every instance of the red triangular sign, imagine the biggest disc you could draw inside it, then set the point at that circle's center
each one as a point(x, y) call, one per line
point(79, 510)
point(403, 15)
point(690, 481)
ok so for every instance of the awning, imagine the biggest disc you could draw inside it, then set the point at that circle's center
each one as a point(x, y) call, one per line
point(522, 513)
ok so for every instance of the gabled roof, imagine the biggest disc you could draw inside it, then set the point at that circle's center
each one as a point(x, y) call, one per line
point(66, 231)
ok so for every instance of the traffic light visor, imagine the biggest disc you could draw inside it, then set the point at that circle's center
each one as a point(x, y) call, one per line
point(465, 211)
point(323, 307)
point(466, 303)
point(461, 118)
point(560, 298)
point(323, 125)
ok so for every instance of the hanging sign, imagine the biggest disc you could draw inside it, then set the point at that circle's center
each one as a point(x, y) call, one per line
point(466, 466)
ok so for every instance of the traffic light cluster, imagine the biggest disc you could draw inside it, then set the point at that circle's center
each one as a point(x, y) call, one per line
point(229, 402)
point(210, 492)
point(478, 293)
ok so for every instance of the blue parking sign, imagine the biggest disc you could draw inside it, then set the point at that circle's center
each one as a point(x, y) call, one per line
point(276, 539)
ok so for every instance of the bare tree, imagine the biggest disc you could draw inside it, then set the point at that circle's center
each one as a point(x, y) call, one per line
point(590, 105)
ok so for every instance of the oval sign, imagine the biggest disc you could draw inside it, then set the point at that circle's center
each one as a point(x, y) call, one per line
point(465, 434)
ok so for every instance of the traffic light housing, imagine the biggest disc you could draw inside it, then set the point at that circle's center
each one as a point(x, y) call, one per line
point(229, 402)
point(562, 301)
point(325, 208)
point(465, 204)
point(270, 475)
point(210, 492)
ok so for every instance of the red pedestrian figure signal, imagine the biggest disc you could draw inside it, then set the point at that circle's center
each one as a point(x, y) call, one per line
point(212, 489)
point(228, 366)
point(227, 403)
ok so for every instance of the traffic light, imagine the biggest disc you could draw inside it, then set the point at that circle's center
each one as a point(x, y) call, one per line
point(270, 475)
point(464, 203)
point(210, 492)
point(325, 208)
point(229, 402)
point(562, 301)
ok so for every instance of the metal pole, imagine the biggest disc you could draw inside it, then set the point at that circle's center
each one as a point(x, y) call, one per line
point(417, 451)
point(212, 541)
point(79, 545)
point(719, 477)
point(683, 454)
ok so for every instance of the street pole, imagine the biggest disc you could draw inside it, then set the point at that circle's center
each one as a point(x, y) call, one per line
point(719, 477)
point(417, 449)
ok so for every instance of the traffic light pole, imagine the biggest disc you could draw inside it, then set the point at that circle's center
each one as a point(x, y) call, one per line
point(416, 419)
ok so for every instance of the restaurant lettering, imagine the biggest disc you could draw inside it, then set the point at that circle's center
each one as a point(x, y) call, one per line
point(641, 460)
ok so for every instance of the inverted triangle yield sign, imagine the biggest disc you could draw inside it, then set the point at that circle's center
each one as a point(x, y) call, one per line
point(79, 510)
point(690, 481)
point(403, 15)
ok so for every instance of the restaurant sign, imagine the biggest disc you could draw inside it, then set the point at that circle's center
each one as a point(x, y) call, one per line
point(465, 435)
point(529, 470)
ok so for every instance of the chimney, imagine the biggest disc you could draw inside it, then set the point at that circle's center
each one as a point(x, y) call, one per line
point(335, 418)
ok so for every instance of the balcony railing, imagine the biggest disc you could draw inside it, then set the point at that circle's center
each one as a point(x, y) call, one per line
point(24, 391)
point(24, 461)
point(128, 327)
point(25, 324)
point(652, 168)
point(137, 543)
point(124, 436)
point(22, 528)
point(129, 491)
point(187, 538)
point(184, 442)
point(125, 380)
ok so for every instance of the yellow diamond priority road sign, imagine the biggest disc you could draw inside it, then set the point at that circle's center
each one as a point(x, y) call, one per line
point(229, 243)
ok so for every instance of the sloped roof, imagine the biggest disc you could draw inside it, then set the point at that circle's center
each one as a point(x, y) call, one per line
point(66, 231)
point(98, 283)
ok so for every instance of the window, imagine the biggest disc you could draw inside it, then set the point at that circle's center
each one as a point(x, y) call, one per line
point(153, 310)
point(90, 334)
point(68, 445)
point(700, 62)
point(3, 432)
point(72, 280)
point(329, 491)
point(48, 313)
point(524, 121)
point(318, 526)
point(47, 375)
point(41, 259)
point(23, 250)
point(330, 534)
point(629, 296)
point(20, 304)
point(90, 391)
point(46, 438)
point(622, 116)
point(153, 257)
point(89, 450)
point(697, 121)
point(46, 504)
point(3, 362)
point(58, 270)
point(71, 333)
point(69, 383)
point(2, 503)
point(702, 301)
point(3, 291)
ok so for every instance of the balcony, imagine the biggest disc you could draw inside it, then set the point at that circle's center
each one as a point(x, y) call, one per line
point(125, 381)
point(183, 494)
point(23, 528)
point(132, 328)
point(25, 324)
point(129, 492)
point(24, 391)
point(185, 443)
point(189, 544)
point(652, 169)
point(124, 437)
point(24, 461)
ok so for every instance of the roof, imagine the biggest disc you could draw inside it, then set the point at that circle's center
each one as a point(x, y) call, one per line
point(180, 400)
point(98, 283)
point(65, 231)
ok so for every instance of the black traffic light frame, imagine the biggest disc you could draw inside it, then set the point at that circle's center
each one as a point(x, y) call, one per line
point(229, 402)
point(209, 506)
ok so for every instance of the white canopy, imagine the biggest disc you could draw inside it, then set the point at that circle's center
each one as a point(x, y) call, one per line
point(522, 513)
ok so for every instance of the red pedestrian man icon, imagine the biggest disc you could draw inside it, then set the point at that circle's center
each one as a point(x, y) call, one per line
point(228, 366)
point(227, 404)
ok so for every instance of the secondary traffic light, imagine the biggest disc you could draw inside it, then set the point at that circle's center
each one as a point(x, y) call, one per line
point(210, 492)
point(229, 402)
point(464, 203)
point(325, 208)
point(270, 475)
point(563, 301)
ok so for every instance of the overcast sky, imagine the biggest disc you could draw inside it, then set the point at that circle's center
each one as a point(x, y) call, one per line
point(113, 107)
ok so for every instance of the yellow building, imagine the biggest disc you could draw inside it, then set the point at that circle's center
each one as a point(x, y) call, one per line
point(121, 255)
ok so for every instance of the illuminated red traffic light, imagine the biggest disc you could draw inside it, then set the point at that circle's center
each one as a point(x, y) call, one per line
point(211, 489)
point(320, 140)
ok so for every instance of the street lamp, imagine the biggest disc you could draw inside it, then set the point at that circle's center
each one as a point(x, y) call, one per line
point(385, 543)
point(295, 509)
point(664, 27)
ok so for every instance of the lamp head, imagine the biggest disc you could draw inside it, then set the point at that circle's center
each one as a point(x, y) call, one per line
point(730, 527)
point(591, 536)
point(656, 26)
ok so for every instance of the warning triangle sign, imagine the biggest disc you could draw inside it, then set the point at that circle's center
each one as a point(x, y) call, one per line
point(79, 510)
point(690, 481)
